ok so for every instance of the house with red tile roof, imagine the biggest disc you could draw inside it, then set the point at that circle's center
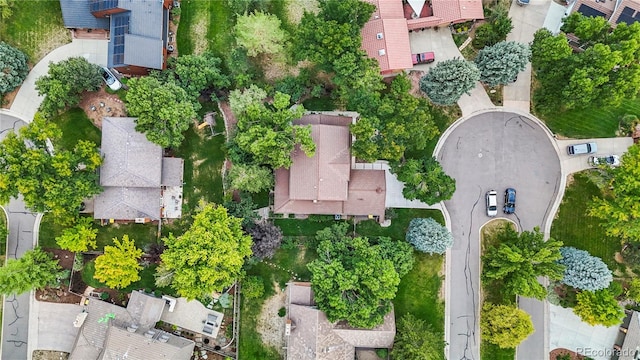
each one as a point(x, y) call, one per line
point(386, 36)
point(326, 183)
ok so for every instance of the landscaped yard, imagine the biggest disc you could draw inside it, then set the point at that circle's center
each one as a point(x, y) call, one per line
point(575, 228)
point(75, 125)
point(590, 122)
point(35, 27)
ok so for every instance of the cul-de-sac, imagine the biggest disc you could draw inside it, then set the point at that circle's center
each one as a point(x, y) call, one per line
point(320, 179)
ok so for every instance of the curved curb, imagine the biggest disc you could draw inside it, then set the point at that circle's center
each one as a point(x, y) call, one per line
point(548, 216)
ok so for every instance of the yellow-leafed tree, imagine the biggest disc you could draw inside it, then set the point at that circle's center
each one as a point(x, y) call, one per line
point(118, 267)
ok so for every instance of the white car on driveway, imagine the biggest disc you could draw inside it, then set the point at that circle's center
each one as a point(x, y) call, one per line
point(110, 79)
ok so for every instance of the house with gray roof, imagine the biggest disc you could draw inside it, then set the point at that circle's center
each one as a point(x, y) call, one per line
point(138, 30)
point(111, 332)
point(311, 336)
point(137, 179)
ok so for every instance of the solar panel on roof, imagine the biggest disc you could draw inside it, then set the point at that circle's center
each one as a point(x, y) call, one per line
point(99, 5)
point(120, 26)
point(625, 19)
point(628, 11)
point(589, 11)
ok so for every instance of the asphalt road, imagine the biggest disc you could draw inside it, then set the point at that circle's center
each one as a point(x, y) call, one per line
point(15, 317)
point(493, 150)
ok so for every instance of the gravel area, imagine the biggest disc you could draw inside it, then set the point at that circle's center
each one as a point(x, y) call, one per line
point(271, 326)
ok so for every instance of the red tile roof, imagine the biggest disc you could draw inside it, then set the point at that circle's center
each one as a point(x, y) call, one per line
point(325, 183)
point(386, 37)
point(457, 10)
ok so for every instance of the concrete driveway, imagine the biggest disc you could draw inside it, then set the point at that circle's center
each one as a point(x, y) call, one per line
point(59, 317)
point(501, 149)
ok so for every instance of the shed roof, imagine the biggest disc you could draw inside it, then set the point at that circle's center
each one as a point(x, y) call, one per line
point(129, 158)
point(77, 14)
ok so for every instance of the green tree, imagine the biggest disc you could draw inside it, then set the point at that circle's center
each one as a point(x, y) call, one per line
point(518, 259)
point(598, 308)
point(352, 279)
point(55, 182)
point(399, 252)
point(79, 238)
point(260, 33)
point(588, 29)
point(35, 269)
point(118, 267)
point(243, 209)
point(501, 63)
point(496, 29)
point(13, 63)
point(195, 73)
point(269, 135)
point(429, 236)
point(425, 180)
point(252, 287)
point(207, 257)
point(239, 101)
point(6, 8)
point(401, 122)
point(65, 82)
point(164, 111)
point(251, 178)
point(583, 271)
point(505, 326)
point(446, 82)
point(620, 212)
point(633, 290)
point(416, 340)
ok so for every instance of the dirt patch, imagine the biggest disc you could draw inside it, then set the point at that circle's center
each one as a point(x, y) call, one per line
point(295, 9)
point(50, 355)
point(7, 99)
point(570, 180)
point(199, 34)
point(415, 76)
point(99, 104)
point(553, 355)
point(62, 295)
point(271, 326)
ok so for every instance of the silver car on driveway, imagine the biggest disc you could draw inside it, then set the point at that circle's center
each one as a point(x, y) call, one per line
point(492, 203)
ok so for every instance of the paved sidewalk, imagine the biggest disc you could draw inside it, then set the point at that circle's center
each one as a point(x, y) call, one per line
point(441, 42)
point(526, 21)
point(27, 100)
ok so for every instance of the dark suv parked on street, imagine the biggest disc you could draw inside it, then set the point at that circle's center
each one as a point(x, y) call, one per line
point(509, 201)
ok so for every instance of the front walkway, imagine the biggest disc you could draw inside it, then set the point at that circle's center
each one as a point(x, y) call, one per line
point(27, 100)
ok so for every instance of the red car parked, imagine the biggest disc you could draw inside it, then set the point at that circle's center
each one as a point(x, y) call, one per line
point(423, 58)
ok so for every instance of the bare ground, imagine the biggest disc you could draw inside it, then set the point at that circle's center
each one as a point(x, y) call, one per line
point(100, 104)
point(295, 9)
point(271, 326)
point(49, 355)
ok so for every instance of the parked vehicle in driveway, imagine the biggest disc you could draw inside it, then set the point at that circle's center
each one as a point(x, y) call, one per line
point(611, 160)
point(509, 201)
point(423, 58)
point(492, 203)
point(111, 80)
point(582, 149)
point(522, 2)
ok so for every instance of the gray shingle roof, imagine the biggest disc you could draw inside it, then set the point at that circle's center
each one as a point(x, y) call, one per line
point(76, 14)
point(146, 17)
point(124, 203)
point(631, 339)
point(143, 51)
point(110, 340)
point(172, 171)
point(129, 158)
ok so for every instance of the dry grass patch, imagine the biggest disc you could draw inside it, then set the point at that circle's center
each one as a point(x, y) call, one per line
point(296, 8)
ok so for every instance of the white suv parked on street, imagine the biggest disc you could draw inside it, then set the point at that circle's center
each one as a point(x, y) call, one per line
point(492, 203)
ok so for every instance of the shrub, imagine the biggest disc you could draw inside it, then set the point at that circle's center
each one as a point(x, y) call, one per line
point(584, 271)
point(427, 235)
point(13, 66)
point(253, 287)
point(282, 312)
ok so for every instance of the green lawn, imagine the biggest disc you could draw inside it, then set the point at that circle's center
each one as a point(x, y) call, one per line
point(590, 122)
point(146, 282)
point(35, 27)
point(203, 156)
point(399, 224)
point(575, 228)
point(205, 25)
point(300, 227)
point(319, 104)
point(75, 125)
point(143, 234)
